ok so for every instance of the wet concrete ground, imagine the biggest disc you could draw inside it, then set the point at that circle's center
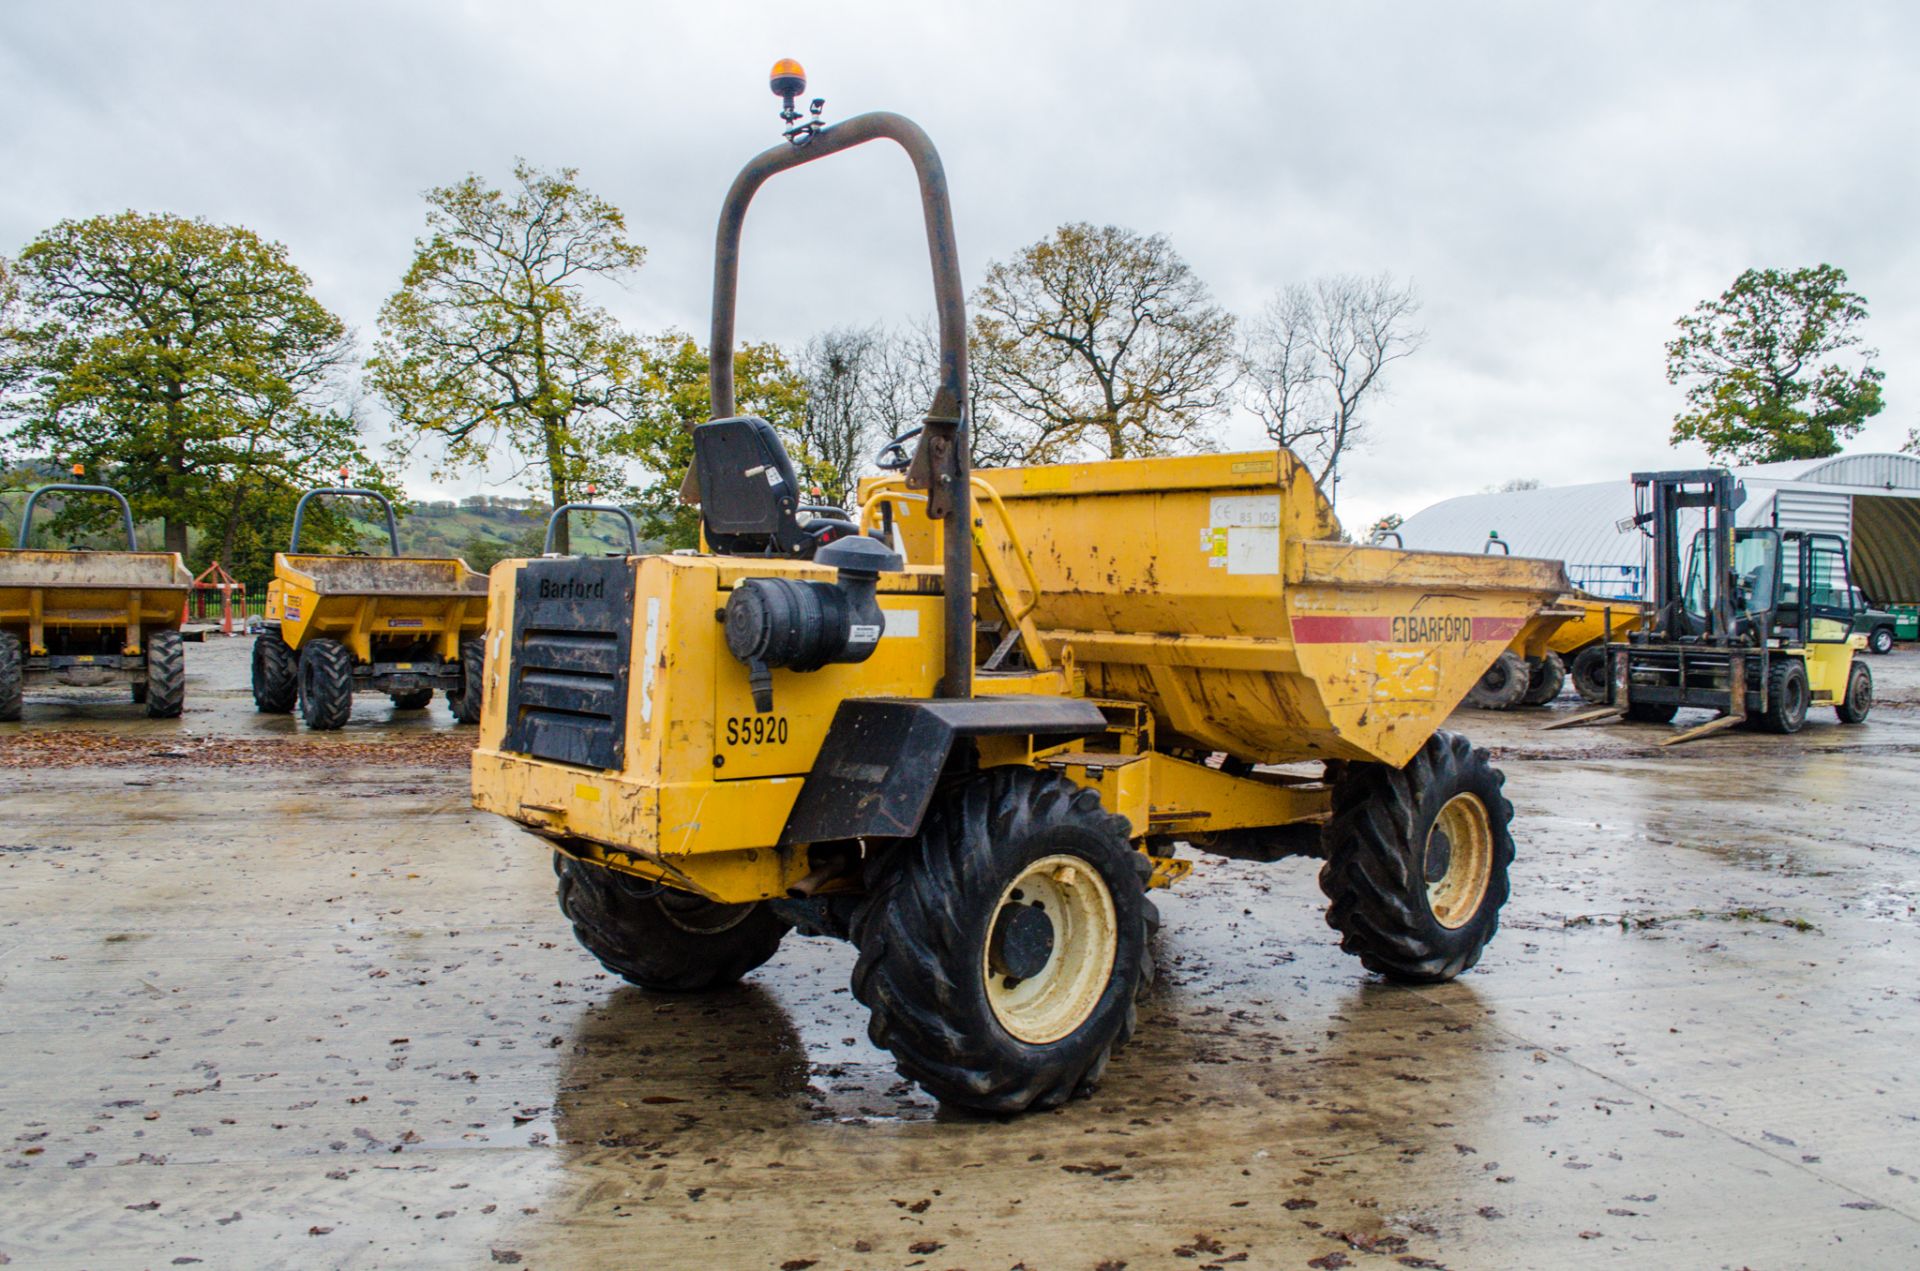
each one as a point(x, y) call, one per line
point(269, 999)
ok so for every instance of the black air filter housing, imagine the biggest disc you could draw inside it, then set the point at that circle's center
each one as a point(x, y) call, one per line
point(801, 625)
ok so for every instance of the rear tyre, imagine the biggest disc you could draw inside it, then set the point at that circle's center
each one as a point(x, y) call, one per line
point(1786, 698)
point(1545, 678)
point(1590, 674)
point(326, 684)
point(1417, 861)
point(1003, 950)
point(12, 676)
point(1503, 685)
point(1858, 703)
point(661, 938)
point(276, 675)
point(468, 701)
point(418, 699)
point(166, 675)
point(1881, 641)
point(1652, 712)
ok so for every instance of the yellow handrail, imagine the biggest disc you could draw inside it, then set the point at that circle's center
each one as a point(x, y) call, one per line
point(896, 488)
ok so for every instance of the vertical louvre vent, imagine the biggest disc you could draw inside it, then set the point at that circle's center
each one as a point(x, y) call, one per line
point(572, 640)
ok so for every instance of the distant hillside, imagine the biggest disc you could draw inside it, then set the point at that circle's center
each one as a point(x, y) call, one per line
point(508, 527)
point(481, 529)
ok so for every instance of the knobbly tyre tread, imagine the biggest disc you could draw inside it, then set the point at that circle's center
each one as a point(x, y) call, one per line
point(1373, 876)
point(326, 684)
point(1545, 678)
point(1502, 685)
point(276, 675)
point(418, 699)
point(1589, 673)
point(921, 930)
point(1777, 719)
point(166, 675)
point(1852, 709)
point(13, 673)
point(467, 703)
point(616, 921)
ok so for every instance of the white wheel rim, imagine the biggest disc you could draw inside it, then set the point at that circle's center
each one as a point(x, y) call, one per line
point(1454, 897)
point(1062, 995)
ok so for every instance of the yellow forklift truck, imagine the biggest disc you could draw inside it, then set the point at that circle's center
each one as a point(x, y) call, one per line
point(1758, 627)
point(86, 619)
point(342, 623)
point(969, 728)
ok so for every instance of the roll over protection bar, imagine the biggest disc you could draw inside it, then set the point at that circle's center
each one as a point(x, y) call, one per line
point(553, 523)
point(940, 463)
point(300, 514)
point(126, 512)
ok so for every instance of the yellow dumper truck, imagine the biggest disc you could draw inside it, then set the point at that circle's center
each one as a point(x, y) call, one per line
point(337, 624)
point(1568, 639)
point(969, 727)
point(87, 618)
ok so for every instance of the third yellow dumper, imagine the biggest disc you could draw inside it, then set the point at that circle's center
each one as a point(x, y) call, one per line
point(971, 754)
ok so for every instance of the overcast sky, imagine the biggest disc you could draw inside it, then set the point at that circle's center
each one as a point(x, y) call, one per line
point(1559, 184)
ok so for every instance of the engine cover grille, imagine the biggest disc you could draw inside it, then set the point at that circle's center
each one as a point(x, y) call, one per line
point(572, 645)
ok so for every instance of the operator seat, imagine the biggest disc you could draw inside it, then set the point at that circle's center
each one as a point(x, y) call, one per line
point(750, 496)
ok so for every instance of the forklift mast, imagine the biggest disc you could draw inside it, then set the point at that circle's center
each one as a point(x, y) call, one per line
point(1659, 499)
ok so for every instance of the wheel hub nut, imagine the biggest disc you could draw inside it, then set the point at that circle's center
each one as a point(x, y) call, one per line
point(1439, 856)
point(1021, 943)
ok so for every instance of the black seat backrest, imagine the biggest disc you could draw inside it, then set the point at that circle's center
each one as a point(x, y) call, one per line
point(749, 493)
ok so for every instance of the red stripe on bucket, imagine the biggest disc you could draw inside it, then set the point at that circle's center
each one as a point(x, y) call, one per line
point(1330, 630)
point(1501, 629)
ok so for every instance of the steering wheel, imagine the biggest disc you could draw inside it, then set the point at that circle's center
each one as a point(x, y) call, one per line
point(893, 456)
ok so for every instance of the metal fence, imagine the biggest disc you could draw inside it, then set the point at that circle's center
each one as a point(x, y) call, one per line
point(1610, 582)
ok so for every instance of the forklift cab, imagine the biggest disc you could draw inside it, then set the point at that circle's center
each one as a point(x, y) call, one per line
point(1793, 586)
point(1816, 602)
point(1751, 581)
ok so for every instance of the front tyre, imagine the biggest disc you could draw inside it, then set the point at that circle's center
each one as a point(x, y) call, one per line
point(1858, 703)
point(1881, 641)
point(1503, 685)
point(467, 702)
point(1590, 674)
point(1003, 950)
point(1787, 697)
point(661, 938)
point(326, 684)
point(166, 675)
point(1545, 678)
point(12, 676)
point(276, 674)
point(1417, 861)
point(413, 700)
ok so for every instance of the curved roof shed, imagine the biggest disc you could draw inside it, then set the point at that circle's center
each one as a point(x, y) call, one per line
point(1873, 500)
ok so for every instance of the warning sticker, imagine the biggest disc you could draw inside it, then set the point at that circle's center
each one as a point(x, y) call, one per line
point(1244, 536)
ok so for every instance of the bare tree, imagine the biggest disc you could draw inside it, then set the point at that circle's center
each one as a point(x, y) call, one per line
point(903, 376)
point(837, 432)
point(1316, 354)
point(1099, 341)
